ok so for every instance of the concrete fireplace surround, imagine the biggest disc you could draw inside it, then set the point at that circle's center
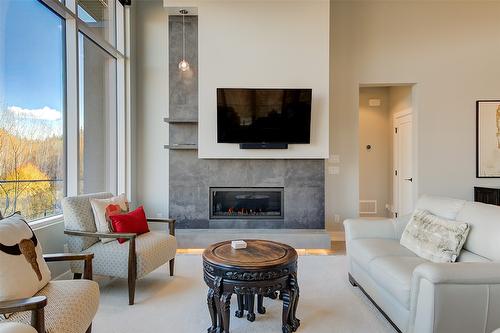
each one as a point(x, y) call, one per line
point(190, 177)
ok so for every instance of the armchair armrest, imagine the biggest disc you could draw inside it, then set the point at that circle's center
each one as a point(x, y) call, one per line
point(99, 234)
point(87, 257)
point(23, 304)
point(359, 228)
point(34, 304)
point(171, 224)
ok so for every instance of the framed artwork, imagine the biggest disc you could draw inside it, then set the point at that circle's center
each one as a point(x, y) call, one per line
point(488, 139)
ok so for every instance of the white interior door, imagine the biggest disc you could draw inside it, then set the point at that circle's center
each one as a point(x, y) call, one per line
point(403, 164)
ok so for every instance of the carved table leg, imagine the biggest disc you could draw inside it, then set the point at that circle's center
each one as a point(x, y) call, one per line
point(217, 296)
point(250, 300)
point(212, 310)
point(225, 304)
point(239, 312)
point(260, 304)
point(294, 287)
point(285, 294)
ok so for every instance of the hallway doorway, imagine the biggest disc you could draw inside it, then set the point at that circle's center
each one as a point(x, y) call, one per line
point(386, 156)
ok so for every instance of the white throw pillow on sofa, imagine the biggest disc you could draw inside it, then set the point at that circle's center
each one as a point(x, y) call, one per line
point(23, 272)
point(99, 207)
point(434, 238)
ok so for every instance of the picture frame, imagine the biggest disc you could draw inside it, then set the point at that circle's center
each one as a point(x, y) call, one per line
point(488, 138)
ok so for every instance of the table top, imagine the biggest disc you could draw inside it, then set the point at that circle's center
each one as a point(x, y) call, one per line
point(259, 254)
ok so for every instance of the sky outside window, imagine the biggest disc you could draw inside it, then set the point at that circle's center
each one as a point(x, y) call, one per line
point(31, 87)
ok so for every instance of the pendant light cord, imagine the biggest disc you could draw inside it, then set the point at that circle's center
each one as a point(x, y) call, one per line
point(183, 38)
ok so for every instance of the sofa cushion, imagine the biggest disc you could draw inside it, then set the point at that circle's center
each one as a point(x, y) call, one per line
point(78, 216)
point(434, 238)
point(366, 250)
point(71, 306)
point(484, 235)
point(153, 250)
point(447, 208)
point(394, 275)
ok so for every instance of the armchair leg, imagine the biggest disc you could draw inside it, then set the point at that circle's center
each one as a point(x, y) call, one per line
point(171, 266)
point(132, 271)
point(77, 276)
point(89, 330)
point(131, 291)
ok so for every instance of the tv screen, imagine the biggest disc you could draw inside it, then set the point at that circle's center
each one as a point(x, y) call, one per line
point(263, 115)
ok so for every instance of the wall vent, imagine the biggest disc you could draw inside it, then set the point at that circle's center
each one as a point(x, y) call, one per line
point(368, 206)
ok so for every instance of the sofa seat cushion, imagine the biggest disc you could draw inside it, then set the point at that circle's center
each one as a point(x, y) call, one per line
point(394, 275)
point(71, 306)
point(366, 250)
point(153, 249)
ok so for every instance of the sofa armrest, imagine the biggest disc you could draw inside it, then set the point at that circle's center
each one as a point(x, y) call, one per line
point(34, 304)
point(445, 297)
point(87, 257)
point(171, 224)
point(360, 228)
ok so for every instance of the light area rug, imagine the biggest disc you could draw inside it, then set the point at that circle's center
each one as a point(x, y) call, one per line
point(328, 303)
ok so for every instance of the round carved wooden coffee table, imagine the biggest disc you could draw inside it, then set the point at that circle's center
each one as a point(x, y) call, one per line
point(263, 269)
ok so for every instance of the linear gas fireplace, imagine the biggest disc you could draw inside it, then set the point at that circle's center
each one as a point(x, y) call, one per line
point(246, 203)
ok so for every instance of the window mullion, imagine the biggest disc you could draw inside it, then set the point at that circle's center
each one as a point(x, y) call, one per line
point(72, 136)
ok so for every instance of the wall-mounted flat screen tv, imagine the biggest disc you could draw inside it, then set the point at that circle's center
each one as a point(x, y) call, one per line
point(263, 115)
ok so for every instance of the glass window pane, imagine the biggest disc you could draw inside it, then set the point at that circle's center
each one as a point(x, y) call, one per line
point(32, 92)
point(99, 15)
point(97, 118)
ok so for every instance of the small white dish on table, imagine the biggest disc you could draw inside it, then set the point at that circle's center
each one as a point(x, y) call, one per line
point(238, 244)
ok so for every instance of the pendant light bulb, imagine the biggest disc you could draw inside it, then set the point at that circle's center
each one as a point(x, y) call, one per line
point(183, 65)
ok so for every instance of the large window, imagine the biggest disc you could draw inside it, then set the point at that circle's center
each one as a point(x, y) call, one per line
point(97, 118)
point(32, 103)
point(62, 102)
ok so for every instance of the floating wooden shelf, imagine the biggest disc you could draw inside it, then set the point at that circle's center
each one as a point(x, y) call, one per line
point(181, 147)
point(180, 121)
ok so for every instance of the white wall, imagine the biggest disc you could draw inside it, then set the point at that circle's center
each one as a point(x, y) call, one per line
point(450, 50)
point(151, 106)
point(263, 44)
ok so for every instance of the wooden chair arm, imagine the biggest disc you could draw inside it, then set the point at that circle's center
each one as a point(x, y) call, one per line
point(99, 234)
point(171, 224)
point(87, 257)
point(34, 304)
point(23, 304)
point(67, 256)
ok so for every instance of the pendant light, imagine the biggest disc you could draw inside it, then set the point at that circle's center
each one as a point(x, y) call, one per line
point(183, 65)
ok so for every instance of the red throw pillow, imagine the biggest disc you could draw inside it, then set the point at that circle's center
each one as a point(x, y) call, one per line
point(133, 222)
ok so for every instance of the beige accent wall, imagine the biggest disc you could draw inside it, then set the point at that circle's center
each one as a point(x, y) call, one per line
point(449, 50)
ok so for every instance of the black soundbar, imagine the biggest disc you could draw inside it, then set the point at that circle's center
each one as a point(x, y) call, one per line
point(263, 145)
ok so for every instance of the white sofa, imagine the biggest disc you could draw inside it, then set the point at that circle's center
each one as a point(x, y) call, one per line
point(419, 296)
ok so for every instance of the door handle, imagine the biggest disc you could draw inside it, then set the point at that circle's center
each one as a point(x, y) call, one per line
point(409, 179)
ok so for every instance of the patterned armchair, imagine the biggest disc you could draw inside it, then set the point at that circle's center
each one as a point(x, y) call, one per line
point(60, 307)
point(131, 260)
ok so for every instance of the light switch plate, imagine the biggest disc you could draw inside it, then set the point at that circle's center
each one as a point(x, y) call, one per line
point(333, 170)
